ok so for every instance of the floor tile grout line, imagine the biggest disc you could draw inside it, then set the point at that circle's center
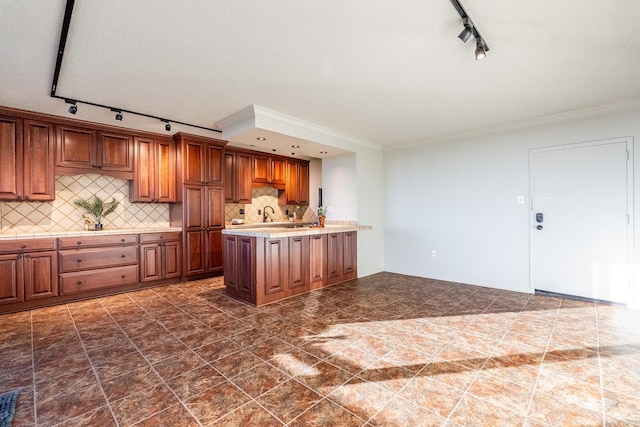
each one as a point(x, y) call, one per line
point(93, 369)
point(535, 386)
point(150, 365)
point(601, 378)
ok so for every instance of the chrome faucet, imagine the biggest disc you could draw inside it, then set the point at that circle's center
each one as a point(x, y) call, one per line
point(266, 216)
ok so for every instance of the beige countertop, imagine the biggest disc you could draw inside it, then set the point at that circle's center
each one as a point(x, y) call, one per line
point(74, 233)
point(276, 232)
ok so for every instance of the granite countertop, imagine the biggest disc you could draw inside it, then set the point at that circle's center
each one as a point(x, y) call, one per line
point(74, 233)
point(276, 232)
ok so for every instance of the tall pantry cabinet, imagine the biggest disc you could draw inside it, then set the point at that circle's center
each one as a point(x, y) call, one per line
point(199, 209)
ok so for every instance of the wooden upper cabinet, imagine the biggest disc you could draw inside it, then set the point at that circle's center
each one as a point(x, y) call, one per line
point(269, 171)
point(237, 177)
point(27, 162)
point(297, 189)
point(154, 178)
point(202, 161)
point(83, 150)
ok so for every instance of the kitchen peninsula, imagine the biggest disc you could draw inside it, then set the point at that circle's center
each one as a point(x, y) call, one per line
point(265, 264)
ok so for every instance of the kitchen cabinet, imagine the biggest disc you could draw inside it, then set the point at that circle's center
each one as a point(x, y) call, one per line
point(92, 263)
point(202, 161)
point(154, 177)
point(269, 171)
point(262, 270)
point(297, 188)
point(27, 163)
point(28, 270)
point(160, 256)
point(82, 150)
point(200, 207)
point(237, 177)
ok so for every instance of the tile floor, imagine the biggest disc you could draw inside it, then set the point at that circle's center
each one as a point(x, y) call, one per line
point(385, 350)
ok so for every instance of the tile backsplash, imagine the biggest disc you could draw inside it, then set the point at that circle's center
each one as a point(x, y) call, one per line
point(62, 215)
point(262, 197)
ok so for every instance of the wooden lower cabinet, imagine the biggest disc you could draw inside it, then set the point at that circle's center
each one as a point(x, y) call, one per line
point(40, 275)
point(264, 270)
point(160, 256)
point(27, 276)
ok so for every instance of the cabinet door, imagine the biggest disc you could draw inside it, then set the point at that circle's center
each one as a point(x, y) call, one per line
point(171, 260)
point(39, 161)
point(214, 173)
point(242, 174)
point(334, 257)
point(303, 183)
point(291, 190)
point(193, 157)
point(350, 255)
point(317, 260)
point(229, 178)
point(194, 206)
point(115, 152)
point(246, 265)
point(76, 148)
point(214, 251)
point(215, 207)
point(194, 246)
point(165, 171)
point(278, 175)
point(230, 263)
point(11, 160)
point(40, 275)
point(11, 279)
point(298, 264)
point(142, 185)
point(260, 169)
point(150, 262)
point(275, 268)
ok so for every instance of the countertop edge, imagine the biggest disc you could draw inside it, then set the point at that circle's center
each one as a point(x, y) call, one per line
point(79, 233)
point(293, 232)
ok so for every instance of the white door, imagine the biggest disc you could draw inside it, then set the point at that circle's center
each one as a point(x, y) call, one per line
point(581, 230)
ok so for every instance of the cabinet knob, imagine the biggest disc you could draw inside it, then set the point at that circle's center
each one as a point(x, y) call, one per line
point(123, 276)
point(19, 197)
point(78, 242)
point(23, 246)
point(26, 197)
point(161, 237)
point(27, 256)
point(122, 240)
point(19, 256)
point(79, 282)
point(78, 260)
point(123, 256)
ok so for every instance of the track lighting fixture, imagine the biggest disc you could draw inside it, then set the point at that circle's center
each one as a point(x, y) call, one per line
point(118, 114)
point(470, 30)
point(167, 126)
point(73, 108)
point(481, 51)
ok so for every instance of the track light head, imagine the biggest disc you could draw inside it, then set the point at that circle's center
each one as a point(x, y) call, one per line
point(118, 114)
point(167, 126)
point(481, 50)
point(73, 108)
point(468, 30)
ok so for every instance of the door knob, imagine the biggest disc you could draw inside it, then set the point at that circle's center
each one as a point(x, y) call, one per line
point(539, 227)
point(539, 217)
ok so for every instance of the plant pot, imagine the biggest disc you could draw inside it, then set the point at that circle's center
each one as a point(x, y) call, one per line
point(321, 221)
point(98, 226)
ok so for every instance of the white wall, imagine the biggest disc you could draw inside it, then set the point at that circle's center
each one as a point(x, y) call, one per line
point(459, 198)
point(339, 186)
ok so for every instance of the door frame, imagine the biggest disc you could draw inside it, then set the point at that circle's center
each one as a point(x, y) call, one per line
point(630, 207)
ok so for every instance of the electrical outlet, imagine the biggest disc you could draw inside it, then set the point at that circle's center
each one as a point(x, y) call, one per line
point(241, 211)
point(434, 253)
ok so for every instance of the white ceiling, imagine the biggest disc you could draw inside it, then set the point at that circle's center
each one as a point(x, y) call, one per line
point(379, 72)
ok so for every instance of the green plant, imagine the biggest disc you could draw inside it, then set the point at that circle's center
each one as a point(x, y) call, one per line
point(97, 207)
point(322, 211)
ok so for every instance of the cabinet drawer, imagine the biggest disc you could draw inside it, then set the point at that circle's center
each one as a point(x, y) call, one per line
point(159, 237)
point(83, 259)
point(27, 245)
point(71, 283)
point(81, 242)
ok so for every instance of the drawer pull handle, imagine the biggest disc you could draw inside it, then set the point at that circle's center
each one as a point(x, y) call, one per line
point(79, 282)
point(122, 240)
point(78, 242)
point(123, 276)
point(27, 256)
point(78, 260)
point(23, 246)
point(19, 256)
point(123, 256)
point(161, 237)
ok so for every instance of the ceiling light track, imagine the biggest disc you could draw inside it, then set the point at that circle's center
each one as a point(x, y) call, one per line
point(74, 101)
point(470, 29)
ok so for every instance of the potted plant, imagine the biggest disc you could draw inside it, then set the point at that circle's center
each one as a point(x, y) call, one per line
point(97, 208)
point(322, 215)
